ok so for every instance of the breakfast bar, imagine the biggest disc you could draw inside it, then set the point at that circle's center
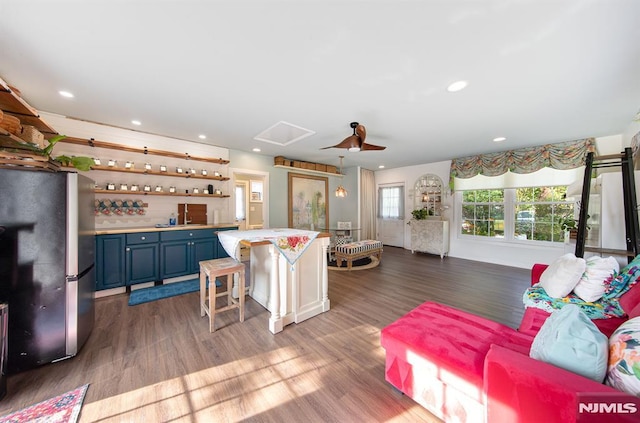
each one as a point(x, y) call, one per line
point(288, 271)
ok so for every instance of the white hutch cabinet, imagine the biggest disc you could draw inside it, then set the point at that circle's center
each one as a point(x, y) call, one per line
point(429, 234)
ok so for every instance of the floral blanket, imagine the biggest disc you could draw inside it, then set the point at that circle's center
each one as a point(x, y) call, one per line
point(290, 242)
point(606, 307)
point(601, 309)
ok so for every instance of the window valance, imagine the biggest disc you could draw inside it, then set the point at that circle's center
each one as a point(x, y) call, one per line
point(562, 156)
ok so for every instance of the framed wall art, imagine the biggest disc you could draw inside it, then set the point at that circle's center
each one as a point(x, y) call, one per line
point(308, 202)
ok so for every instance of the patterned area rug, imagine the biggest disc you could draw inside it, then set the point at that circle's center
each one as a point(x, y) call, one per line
point(360, 264)
point(64, 408)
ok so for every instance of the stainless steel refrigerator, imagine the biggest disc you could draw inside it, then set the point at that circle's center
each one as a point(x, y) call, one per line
point(47, 252)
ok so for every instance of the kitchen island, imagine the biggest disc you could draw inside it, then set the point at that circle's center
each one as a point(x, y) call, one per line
point(292, 288)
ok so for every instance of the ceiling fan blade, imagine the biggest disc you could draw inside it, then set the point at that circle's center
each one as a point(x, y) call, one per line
point(366, 146)
point(349, 142)
point(361, 132)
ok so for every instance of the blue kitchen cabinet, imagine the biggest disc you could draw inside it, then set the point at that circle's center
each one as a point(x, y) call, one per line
point(181, 251)
point(174, 258)
point(132, 258)
point(142, 257)
point(110, 261)
point(202, 249)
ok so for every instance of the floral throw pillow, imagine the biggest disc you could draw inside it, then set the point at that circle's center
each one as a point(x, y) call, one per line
point(623, 372)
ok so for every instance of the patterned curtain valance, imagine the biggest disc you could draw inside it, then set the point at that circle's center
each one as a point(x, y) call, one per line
point(562, 156)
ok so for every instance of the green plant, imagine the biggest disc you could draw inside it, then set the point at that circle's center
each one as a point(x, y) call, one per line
point(568, 223)
point(79, 162)
point(420, 214)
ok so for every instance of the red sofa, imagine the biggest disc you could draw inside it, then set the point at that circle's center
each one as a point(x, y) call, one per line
point(465, 368)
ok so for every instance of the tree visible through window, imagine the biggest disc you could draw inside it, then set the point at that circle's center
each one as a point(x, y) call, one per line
point(533, 213)
point(483, 213)
point(537, 211)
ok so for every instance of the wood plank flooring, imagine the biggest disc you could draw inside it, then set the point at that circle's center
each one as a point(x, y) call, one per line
point(158, 362)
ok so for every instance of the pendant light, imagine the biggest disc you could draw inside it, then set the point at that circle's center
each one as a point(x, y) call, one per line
point(340, 191)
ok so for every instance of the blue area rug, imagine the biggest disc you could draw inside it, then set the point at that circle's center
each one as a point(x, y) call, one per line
point(146, 295)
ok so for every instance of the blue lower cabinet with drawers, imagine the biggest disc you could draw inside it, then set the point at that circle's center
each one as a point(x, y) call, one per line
point(132, 258)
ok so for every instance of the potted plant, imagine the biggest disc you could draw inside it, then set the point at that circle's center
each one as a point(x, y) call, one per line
point(420, 214)
point(569, 224)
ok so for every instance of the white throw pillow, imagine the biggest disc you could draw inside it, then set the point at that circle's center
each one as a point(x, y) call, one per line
point(559, 279)
point(591, 285)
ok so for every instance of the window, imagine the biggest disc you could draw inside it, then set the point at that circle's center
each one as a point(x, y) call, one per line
point(537, 211)
point(391, 202)
point(241, 213)
point(483, 213)
point(515, 214)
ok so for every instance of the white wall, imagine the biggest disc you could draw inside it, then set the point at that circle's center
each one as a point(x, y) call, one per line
point(486, 250)
point(408, 176)
point(159, 207)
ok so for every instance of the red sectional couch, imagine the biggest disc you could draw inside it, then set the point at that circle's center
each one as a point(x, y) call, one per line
point(465, 368)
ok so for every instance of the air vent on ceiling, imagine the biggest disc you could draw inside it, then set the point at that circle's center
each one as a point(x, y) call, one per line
point(283, 133)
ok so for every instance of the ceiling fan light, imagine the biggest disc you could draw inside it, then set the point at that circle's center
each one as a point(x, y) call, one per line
point(341, 192)
point(354, 149)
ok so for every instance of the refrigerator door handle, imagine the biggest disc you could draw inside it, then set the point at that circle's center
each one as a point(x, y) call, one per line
point(72, 224)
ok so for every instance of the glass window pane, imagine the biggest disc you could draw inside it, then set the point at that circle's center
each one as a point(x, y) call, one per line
point(468, 196)
point(497, 196)
point(391, 202)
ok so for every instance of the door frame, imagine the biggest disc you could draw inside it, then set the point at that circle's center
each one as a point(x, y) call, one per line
point(245, 184)
point(401, 222)
point(265, 200)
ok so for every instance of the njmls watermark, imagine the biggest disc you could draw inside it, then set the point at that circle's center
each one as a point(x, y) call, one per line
point(605, 407)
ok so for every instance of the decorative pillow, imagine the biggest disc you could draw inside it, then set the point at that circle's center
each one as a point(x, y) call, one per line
point(591, 286)
point(624, 358)
point(570, 340)
point(562, 275)
point(627, 278)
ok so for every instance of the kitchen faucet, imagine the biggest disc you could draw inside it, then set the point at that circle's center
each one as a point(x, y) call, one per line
point(186, 211)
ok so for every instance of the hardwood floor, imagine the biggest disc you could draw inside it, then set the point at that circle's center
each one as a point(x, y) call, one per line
point(158, 362)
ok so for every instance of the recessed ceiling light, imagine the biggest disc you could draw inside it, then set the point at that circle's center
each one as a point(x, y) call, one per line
point(136, 122)
point(499, 139)
point(257, 150)
point(66, 94)
point(202, 137)
point(457, 86)
point(381, 167)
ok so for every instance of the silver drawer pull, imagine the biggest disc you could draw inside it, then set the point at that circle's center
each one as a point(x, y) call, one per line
point(143, 238)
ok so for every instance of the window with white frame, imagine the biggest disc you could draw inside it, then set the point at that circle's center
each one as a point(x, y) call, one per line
point(537, 213)
point(515, 214)
point(391, 202)
point(483, 213)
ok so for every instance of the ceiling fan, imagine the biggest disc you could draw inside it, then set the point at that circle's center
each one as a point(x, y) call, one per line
point(356, 142)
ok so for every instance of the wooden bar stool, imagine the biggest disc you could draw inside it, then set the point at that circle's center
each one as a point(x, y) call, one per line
point(216, 268)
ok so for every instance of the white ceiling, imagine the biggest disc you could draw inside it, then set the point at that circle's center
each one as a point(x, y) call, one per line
point(538, 71)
